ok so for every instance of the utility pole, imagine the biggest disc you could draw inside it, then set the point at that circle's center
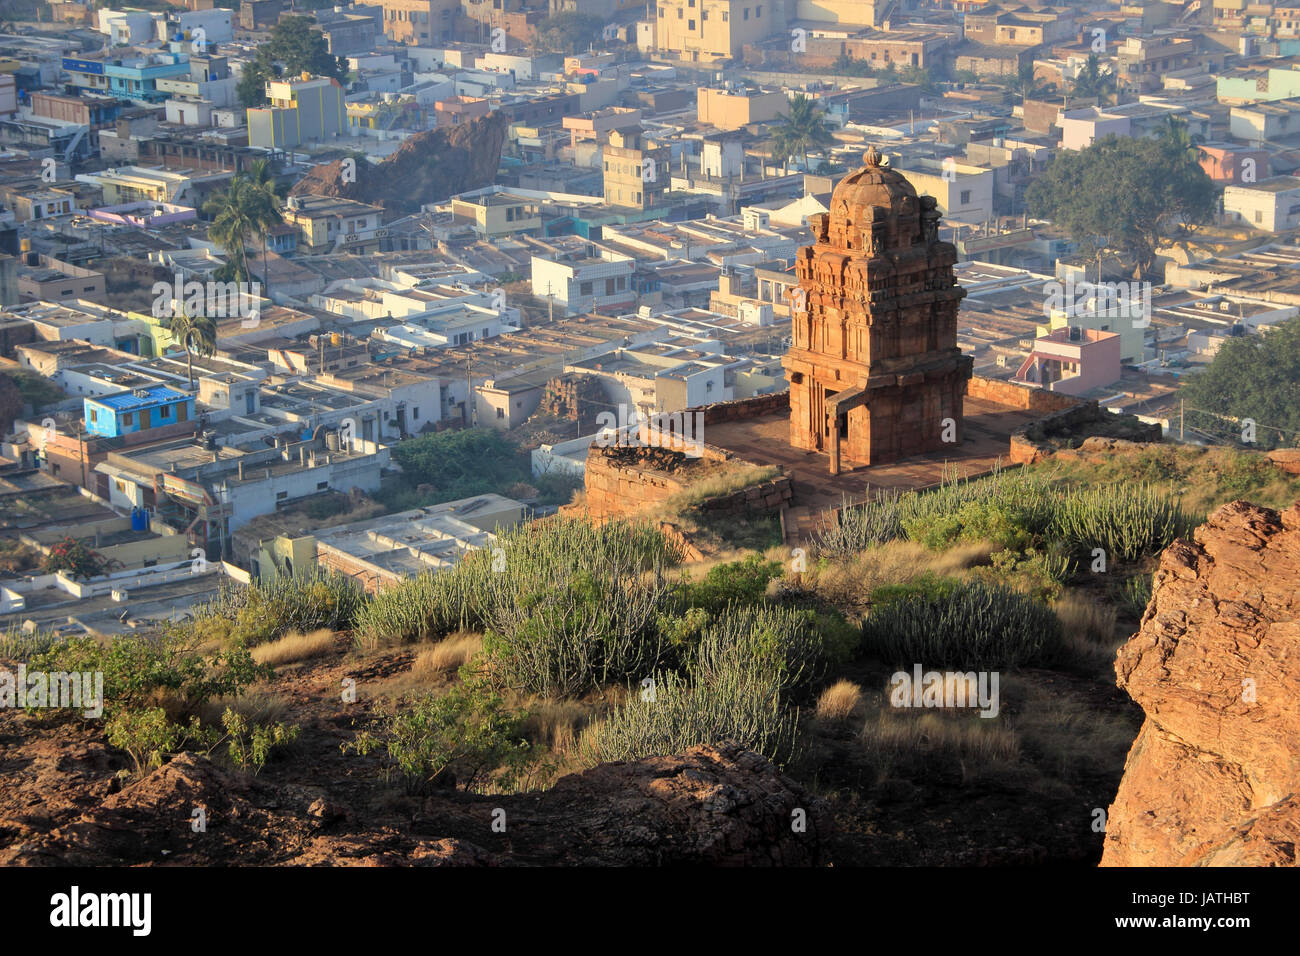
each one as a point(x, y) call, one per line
point(1180, 419)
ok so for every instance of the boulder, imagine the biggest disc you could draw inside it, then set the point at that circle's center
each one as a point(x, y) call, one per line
point(1214, 774)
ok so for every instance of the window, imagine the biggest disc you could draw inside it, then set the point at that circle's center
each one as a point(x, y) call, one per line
point(680, 14)
point(965, 196)
point(584, 289)
point(281, 495)
point(165, 411)
point(501, 413)
point(94, 414)
point(690, 24)
point(128, 418)
point(415, 413)
point(661, 13)
point(704, 16)
point(322, 485)
point(725, 16)
point(746, 13)
point(758, 12)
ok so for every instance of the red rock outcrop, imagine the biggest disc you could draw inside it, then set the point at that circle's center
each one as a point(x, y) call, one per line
point(1213, 778)
point(427, 168)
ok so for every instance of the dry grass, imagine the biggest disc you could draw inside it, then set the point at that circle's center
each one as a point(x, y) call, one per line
point(1086, 617)
point(848, 584)
point(838, 701)
point(294, 647)
point(1068, 735)
point(555, 724)
point(448, 654)
point(965, 736)
point(258, 705)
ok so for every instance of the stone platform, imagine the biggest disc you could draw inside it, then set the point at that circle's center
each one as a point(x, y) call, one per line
point(764, 440)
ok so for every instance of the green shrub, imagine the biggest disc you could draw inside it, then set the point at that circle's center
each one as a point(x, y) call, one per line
point(463, 737)
point(1241, 474)
point(928, 587)
point(250, 743)
point(141, 671)
point(19, 645)
point(680, 715)
point(572, 606)
point(1135, 595)
point(858, 527)
point(748, 661)
point(974, 626)
point(148, 736)
point(738, 582)
point(300, 602)
point(430, 605)
point(1127, 521)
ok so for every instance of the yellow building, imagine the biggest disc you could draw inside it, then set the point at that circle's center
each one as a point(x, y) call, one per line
point(733, 109)
point(706, 30)
point(637, 171)
point(419, 22)
point(327, 223)
point(843, 13)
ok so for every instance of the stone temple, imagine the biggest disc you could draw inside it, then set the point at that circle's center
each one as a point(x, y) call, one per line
point(874, 368)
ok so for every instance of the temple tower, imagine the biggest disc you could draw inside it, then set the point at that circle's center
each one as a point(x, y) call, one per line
point(874, 369)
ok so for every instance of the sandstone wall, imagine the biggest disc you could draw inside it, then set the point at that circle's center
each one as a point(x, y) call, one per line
point(1214, 776)
point(1080, 420)
point(1018, 396)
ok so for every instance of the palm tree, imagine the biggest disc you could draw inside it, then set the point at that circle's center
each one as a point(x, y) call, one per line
point(802, 129)
point(267, 209)
point(1092, 82)
point(1026, 83)
point(195, 333)
point(1174, 139)
point(235, 213)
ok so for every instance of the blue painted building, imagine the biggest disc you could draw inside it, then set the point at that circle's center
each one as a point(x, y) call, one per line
point(137, 410)
point(128, 78)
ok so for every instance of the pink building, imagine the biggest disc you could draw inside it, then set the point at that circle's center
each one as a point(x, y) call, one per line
point(1231, 165)
point(1072, 361)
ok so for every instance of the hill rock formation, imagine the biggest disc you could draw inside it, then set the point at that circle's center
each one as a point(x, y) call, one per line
point(427, 168)
point(1213, 778)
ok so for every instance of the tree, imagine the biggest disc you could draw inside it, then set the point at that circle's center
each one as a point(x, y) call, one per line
point(238, 212)
point(266, 208)
point(1025, 83)
point(1123, 196)
point(295, 46)
point(802, 129)
point(72, 555)
point(1092, 82)
point(1255, 377)
point(195, 333)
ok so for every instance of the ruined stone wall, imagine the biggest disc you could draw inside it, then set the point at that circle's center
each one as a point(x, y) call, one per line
point(769, 496)
point(740, 408)
point(1015, 395)
point(1081, 420)
point(622, 481)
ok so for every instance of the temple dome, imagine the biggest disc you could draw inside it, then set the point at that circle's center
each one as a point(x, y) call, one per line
point(871, 208)
point(872, 185)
